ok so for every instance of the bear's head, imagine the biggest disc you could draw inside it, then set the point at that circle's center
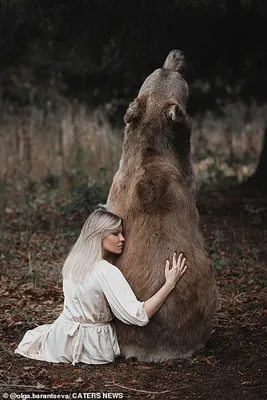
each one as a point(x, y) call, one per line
point(164, 93)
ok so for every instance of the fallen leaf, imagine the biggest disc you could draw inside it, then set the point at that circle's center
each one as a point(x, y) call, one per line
point(40, 386)
point(79, 380)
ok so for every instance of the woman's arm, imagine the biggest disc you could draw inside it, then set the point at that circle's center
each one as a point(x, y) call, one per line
point(122, 299)
point(172, 276)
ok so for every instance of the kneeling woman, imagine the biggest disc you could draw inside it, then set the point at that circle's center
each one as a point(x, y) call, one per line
point(93, 290)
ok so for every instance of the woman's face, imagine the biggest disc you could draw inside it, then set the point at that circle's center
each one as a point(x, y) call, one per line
point(113, 243)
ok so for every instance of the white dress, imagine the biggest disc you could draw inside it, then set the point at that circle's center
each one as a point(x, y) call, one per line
point(83, 332)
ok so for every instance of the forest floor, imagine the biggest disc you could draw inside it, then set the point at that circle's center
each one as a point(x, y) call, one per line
point(233, 365)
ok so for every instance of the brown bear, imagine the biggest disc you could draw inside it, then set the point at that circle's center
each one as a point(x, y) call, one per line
point(154, 191)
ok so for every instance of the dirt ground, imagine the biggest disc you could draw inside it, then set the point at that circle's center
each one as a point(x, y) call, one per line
point(233, 365)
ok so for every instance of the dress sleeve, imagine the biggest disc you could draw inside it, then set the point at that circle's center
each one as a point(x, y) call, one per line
point(119, 295)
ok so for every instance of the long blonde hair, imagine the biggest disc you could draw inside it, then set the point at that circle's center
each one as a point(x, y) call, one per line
point(87, 250)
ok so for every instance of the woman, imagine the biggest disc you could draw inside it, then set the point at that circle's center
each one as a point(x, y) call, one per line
point(93, 287)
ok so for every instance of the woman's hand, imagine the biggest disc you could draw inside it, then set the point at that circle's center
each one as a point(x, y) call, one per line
point(173, 274)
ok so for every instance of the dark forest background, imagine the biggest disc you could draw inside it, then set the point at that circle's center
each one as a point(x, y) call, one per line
point(61, 57)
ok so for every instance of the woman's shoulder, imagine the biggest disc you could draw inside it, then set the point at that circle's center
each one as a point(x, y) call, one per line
point(105, 264)
point(106, 267)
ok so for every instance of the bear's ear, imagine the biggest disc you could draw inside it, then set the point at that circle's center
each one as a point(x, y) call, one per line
point(133, 111)
point(176, 113)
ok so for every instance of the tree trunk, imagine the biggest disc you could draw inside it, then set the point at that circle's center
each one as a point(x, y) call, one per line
point(260, 175)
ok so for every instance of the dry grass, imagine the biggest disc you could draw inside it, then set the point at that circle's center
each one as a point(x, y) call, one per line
point(228, 146)
point(69, 143)
point(41, 142)
point(35, 144)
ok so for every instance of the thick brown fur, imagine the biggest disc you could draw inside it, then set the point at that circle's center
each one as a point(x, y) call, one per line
point(154, 192)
